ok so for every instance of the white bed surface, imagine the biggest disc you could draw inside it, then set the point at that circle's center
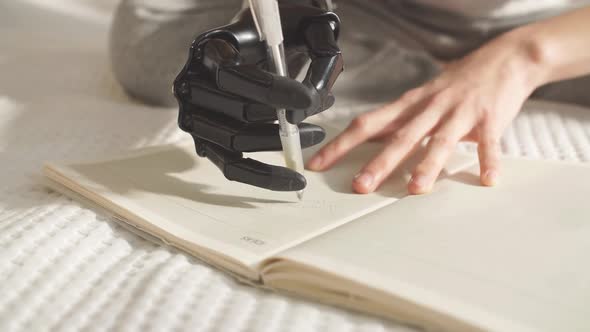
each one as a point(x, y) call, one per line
point(65, 267)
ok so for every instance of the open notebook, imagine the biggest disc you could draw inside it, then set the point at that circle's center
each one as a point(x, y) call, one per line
point(510, 258)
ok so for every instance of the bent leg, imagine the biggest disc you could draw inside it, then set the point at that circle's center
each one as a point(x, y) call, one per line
point(573, 91)
point(149, 42)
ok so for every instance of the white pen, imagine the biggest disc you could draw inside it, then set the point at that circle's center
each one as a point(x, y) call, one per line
point(268, 22)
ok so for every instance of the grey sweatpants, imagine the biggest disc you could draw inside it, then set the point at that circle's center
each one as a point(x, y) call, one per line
point(385, 52)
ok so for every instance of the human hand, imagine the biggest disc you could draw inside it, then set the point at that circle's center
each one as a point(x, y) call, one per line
point(228, 97)
point(474, 99)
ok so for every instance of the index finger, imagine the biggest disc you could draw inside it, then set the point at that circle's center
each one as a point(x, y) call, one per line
point(264, 87)
point(249, 171)
point(360, 130)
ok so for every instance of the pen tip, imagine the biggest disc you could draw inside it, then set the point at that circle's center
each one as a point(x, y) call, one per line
point(300, 195)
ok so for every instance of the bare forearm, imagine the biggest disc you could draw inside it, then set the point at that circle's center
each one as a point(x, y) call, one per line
point(473, 98)
point(557, 48)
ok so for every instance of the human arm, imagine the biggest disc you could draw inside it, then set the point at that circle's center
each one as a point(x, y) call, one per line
point(474, 98)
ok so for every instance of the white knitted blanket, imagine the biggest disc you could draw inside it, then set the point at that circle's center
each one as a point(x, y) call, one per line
point(65, 267)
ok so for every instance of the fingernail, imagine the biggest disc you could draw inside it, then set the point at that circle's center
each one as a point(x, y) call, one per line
point(365, 179)
point(419, 185)
point(491, 178)
point(419, 181)
point(315, 162)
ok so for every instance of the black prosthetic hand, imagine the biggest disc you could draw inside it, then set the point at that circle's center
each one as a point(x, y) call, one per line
point(228, 96)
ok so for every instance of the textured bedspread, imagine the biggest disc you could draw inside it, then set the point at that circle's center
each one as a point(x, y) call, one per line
point(66, 267)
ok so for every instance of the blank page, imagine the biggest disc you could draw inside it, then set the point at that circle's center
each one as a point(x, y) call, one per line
point(515, 257)
point(187, 197)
